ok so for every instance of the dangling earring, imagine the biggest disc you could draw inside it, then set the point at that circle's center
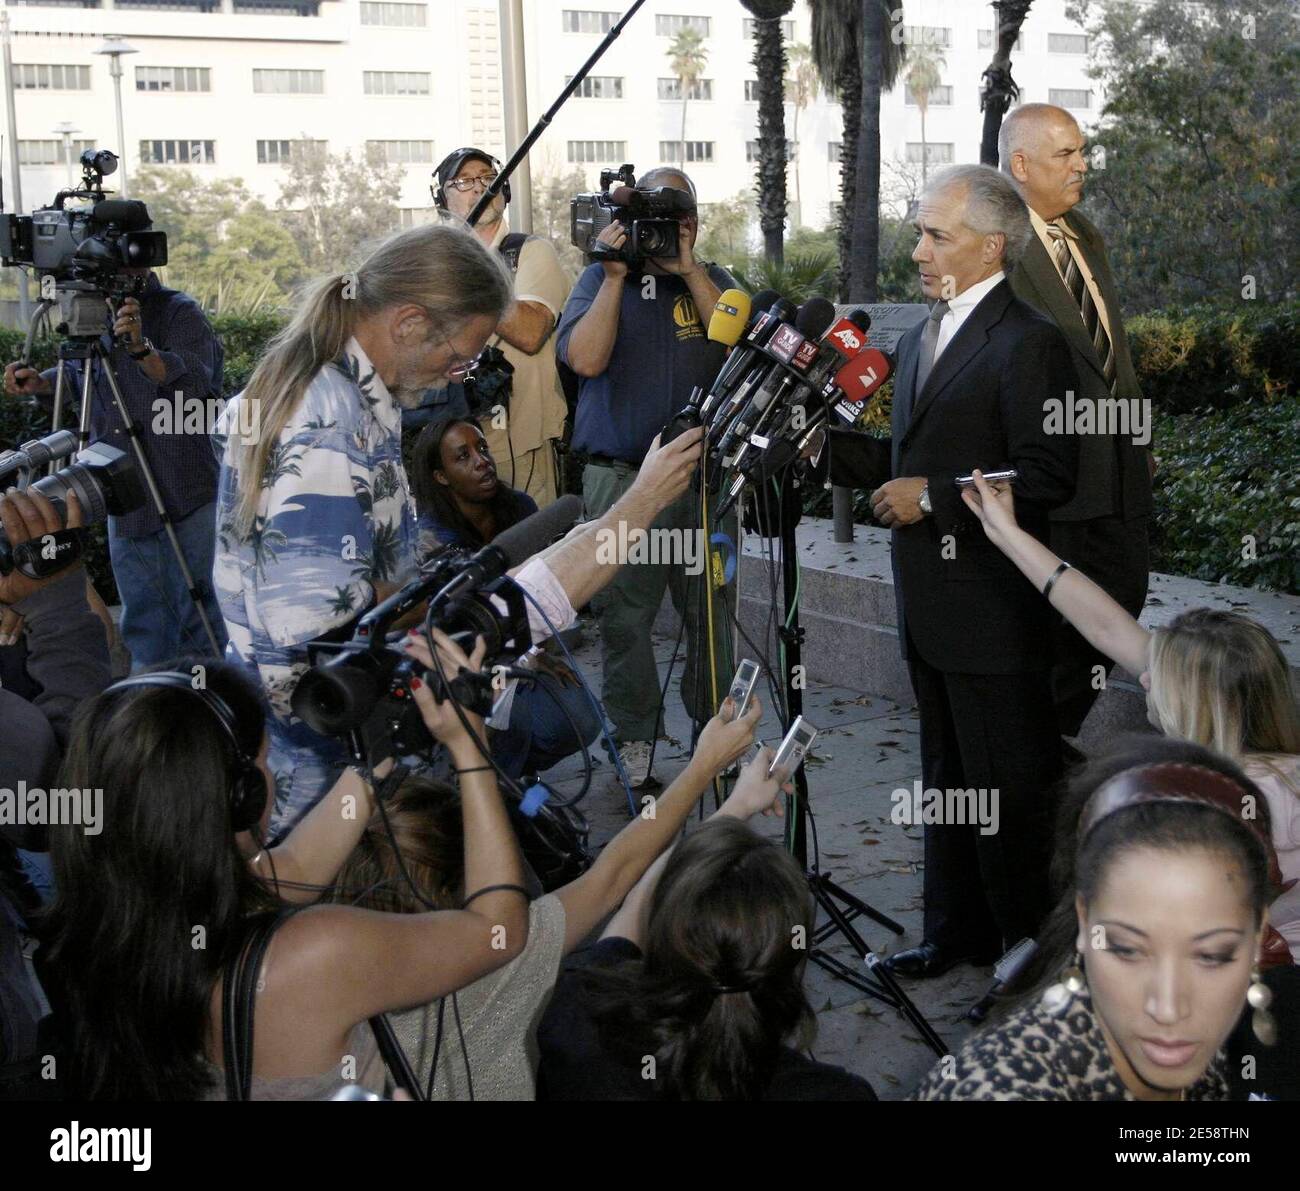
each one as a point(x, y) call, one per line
point(1073, 978)
point(1057, 997)
point(1259, 997)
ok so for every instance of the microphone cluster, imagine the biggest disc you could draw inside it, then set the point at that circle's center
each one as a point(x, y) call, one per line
point(788, 371)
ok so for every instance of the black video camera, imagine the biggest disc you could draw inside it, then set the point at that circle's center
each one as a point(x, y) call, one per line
point(652, 218)
point(104, 479)
point(88, 247)
point(362, 688)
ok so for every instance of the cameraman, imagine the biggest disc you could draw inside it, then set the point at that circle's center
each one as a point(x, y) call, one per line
point(521, 435)
point(636, 337)
point(169, 371)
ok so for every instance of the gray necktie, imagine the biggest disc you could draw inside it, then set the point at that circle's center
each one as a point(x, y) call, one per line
point(929, 340)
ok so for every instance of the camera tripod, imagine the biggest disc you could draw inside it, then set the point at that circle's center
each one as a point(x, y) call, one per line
point(839, 905)
point(84, 343)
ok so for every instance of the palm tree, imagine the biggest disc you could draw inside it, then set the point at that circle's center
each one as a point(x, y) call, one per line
point(343, 601)
point(769, 70)
point(998, 88)
point(924, 62)
point(882, 57)
point(800, 91)
point(688, 58)
point(837, 54)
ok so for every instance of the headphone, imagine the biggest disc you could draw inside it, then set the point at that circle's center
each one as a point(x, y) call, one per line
point(450, 165)
point(248, 790)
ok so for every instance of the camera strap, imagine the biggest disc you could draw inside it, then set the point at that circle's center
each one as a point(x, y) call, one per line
point(42, 556)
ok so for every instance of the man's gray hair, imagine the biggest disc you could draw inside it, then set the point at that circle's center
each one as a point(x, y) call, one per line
point(992, 206)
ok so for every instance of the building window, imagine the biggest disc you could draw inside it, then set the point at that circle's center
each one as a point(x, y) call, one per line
point(396, 82)
point(672, 89)
point(580, 20)
point(279, 8)
point(791, 150)
point(597, 152)
point(42, 76)
point(172, 5)
point(936, 153)
point(282, 152)
point(1067, 43)
point(598, 86)
point(173, 78)
point(751, 90)
point(1069, 98)
point(939, 97)
point(834, 152)
point(700, 152)
point(178, 152)
point(403, 152)
point(671, 26)
point(409, 217)
point(986, 40)
point(289, 82)
point(407, 16)
point(787, 28)
point(935, 35)
point(49, 152)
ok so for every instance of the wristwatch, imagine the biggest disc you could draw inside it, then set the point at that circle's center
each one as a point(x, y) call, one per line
point(146, 349)
point(924, 501)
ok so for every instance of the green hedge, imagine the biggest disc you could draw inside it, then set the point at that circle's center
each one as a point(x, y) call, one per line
point(1224, 386)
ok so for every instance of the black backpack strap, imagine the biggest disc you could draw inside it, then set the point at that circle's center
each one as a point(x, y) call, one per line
point(238, 997)
point(511, 247)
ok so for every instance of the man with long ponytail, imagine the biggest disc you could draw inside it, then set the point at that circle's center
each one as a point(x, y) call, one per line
point(315, 519)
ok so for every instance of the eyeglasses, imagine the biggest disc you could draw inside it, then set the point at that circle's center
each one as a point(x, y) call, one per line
point(458, 366)
point(482, 182)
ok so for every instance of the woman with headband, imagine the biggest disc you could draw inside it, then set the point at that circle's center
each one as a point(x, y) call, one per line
point(1155, 949)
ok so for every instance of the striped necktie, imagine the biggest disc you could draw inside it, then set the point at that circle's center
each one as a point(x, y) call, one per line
point(1068, 267)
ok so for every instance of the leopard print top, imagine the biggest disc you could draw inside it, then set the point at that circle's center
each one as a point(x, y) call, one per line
point(1036, 1055)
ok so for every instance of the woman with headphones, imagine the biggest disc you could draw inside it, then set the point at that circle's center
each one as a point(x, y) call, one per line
point(155, 911)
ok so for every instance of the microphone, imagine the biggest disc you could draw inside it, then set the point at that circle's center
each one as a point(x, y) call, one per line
point(730, 317)
point(810, 359)
point(1005, 973)
point(511, 548)
point(857, 380)
point(786, 344)
point(747, 352)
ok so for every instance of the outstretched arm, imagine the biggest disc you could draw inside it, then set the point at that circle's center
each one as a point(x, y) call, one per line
point(1099, 619)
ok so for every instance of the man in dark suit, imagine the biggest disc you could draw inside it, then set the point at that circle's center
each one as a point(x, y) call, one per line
point(1065, 275)
point(971, 390)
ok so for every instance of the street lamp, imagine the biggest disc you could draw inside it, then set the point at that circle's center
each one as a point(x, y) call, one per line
point(115, 47)
point(65, 130)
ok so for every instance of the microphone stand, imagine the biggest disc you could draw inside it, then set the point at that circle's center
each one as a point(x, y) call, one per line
point(840, 906)
point(541, 126)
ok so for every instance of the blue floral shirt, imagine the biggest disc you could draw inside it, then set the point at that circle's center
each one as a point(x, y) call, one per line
point(335, 514)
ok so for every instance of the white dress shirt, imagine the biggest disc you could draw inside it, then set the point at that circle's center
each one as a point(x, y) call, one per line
point(959, 309)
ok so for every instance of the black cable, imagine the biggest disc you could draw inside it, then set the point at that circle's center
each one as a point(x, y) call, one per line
point(469, 1076)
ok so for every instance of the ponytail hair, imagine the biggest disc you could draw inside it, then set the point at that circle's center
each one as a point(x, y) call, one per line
point(442, 267)
point(720, 988)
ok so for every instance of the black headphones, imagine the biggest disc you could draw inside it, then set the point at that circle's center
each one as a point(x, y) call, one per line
point(450, 165)
point(248, 790)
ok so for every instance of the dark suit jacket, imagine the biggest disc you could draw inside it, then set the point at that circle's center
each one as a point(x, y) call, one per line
point(1114, 478)
point(982, 406)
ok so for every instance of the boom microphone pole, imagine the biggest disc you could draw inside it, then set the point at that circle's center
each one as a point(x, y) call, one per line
point(541, 126)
